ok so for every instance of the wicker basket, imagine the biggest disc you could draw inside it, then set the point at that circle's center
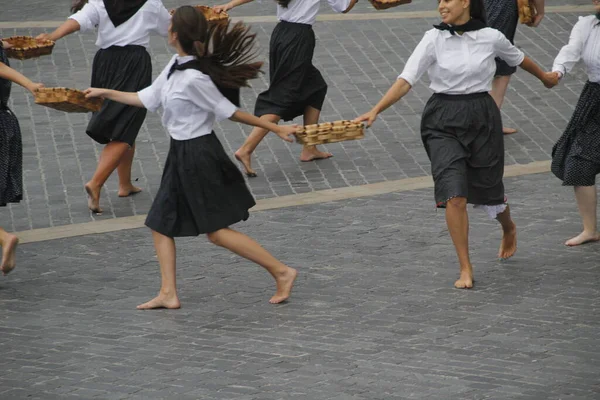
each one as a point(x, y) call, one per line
point(385, 4)
point(526, 11)
point(330, 132)
point(24, 47)
point(210, 14)
point(67, 100)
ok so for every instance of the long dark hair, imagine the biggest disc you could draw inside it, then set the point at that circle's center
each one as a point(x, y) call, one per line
point(226, 55)
point(478, 11)
point(283, 3)
point(77, 5)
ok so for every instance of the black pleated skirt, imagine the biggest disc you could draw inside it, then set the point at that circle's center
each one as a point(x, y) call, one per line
point(295, 83)
point(11, 158)
point(128, 69)
point(463, 138)
point(504, 16)
point(201, 190)
point(576, 154)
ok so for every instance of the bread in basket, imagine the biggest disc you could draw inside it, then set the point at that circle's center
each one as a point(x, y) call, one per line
point(385, 4)
point(25, 47)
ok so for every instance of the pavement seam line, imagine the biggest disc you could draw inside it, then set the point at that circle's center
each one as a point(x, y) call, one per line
point(295, 200)
point(322, 17)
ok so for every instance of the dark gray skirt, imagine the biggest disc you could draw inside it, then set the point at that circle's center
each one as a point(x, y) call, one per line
point(504, 16)
point(576, 155)
point(11, 158)
point(128, 69)
point(201, 190)
point(463, 138)
point(295, 83)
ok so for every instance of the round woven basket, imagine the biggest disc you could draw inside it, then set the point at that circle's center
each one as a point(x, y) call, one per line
point(385, 4)
point(24, 47)
point(526, 11)
point(67, 100)
point(210, 14)
point(330, 132)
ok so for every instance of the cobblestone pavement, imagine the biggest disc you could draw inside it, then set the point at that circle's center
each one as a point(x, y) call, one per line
point(373, 315)
point(359, 59)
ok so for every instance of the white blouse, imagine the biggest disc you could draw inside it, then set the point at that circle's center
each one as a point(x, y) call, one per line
point(305, 11)
point(460, 64)
point(151, 17)
point(583, 43)
point(190, 100)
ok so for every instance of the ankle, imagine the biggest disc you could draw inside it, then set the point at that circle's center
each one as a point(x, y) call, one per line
point(168, 292)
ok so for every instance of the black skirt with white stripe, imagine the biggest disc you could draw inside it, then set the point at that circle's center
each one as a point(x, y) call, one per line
point(127, 69)
point(463, 138)
point(201, 190)
point(295, 83)
point(576, 155)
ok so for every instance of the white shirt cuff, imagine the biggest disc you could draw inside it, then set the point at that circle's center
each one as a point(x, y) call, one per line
point(409, 79)
point(224, 109)
point(84, 23)
point(149, 99)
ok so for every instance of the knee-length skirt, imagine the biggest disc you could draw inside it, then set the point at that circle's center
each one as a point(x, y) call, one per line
point(576, 154)
point(504, 16)
point(463, 138)
point(201, 190)
point(128, 69)
point(295, 83)
point(11, 158)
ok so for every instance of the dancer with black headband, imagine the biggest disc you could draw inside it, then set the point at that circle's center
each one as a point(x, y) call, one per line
point(504, 16)
point(11, 153)
point(202, 191)
point(576, 155)
point(461, 126)
point(296, 85)
point(122, 63)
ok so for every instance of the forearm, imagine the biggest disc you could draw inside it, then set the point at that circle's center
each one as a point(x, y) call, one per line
point(249, 119)
point(398, 90)
point(351, 6)
point(539, 6)
point(235, 3)
point(129, 98)
point(530, 66)
point(68, 27)
point(7, 72)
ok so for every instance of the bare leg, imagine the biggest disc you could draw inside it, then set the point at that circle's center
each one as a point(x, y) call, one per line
point(9, 244)
point(457, 220)
point(244, 153)
point(509, 236)
point(126, 188)
point(587, 202)
point(244, 246)
point(167, 297)
point(109, 160)
point(311, 153)
point(499, 86)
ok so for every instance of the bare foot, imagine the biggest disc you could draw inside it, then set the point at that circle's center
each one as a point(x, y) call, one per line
point(509, 131)
point(312, 154)
point(9, 254)
point(93, 199)
point(284, 286)
point(583, 238)
point(161, 301)
point(245, 159)
point(126, 191)
point(466, 279)
point(508, 247)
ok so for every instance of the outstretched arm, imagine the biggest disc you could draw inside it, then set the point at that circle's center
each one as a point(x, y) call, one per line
point(230, 5)
point(286, 132)
point(549, 79)
point(7, 72)
point(68, 27)
point(129, 98)
point(398, 90)
point(351, 6)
